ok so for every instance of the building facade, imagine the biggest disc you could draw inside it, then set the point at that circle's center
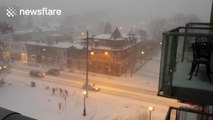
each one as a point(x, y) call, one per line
point(114, 54)
point(46, 54)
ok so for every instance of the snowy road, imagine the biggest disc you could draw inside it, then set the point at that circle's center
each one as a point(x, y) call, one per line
point(125, 91)
point(120, 98)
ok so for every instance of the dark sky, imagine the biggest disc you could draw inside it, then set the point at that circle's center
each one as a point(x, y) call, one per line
point(147, 9)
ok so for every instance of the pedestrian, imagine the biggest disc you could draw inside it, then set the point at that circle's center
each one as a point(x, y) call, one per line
point(53, 91)
point(47, 87)
point(65, 99)
point(59, 107)
point(66, 93)
point(61, 91)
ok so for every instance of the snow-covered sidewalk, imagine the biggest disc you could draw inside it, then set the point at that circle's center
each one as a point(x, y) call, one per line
point(40, 103)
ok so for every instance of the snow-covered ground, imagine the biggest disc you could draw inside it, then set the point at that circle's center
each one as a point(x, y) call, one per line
point(39, 102)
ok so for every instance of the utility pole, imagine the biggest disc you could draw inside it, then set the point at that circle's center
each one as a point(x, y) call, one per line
point(87, 63)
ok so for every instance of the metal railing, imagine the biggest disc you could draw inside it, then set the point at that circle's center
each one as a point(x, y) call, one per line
point(186, 114)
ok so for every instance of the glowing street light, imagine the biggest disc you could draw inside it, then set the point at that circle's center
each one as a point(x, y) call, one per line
point(150, 112)
point(142, 56)
point(82, 33)
point(106, 53)
point(91, 53)
point(108, 67)
point(84, 110)
point(43, 56)
point(142, 52)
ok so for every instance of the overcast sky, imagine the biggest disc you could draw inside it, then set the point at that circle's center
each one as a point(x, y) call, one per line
point(147, 9)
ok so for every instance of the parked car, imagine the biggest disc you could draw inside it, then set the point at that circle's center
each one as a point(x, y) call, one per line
point(36, 73)
point(53, 71)
point(3, 67)
point(92, 86)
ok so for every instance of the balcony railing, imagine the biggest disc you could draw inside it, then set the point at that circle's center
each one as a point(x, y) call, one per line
point(176, 64)
point(186, 114)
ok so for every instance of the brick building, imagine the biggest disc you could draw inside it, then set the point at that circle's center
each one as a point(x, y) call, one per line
point(114, 54)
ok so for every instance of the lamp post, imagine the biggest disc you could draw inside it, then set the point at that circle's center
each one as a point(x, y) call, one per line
point(82, 35)
point(142, 52)
point(84, 110)
point(91, 63)
point(43, 56)
point(150, 112)
point(108, 67)
point(142, 56)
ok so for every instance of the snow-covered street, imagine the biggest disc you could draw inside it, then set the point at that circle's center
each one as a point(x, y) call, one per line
point(39, 102)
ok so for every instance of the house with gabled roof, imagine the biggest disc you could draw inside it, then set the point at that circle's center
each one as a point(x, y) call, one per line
point(113, 54)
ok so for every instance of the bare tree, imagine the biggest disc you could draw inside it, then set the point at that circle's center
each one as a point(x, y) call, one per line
point(142, 33)
point(157, 27)
point(108, 28)
point(30, 22)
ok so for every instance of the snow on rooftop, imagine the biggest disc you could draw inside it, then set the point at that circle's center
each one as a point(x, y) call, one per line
point(102, 36)
point(78, 46)
point(62, 45)
point(108, 37)
point(58, 45)
point(23, 31)
point(54, 35)
point(35, 29)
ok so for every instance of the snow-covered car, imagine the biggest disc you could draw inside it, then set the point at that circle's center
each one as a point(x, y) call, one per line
point(36, 73)
point(92, 86)
point(53, 71)
point(3, 65)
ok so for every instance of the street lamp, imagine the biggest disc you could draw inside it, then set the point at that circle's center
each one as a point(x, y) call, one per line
point(141, 56)
point(91, 53)
point(150, 112)
point(90, 59)
point(106, 53)
point(82, 35)
point(84, 110)
point(43, 56)
point(142, 52)
point(108, 67)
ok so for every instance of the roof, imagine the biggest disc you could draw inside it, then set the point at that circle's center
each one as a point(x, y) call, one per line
point(58, 45)
point(62, 45)
point(23, 31)
point(54, 35)
point(116, 35)
point(102, 36)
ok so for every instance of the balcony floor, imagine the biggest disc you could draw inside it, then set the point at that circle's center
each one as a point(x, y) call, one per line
point(180, 77)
